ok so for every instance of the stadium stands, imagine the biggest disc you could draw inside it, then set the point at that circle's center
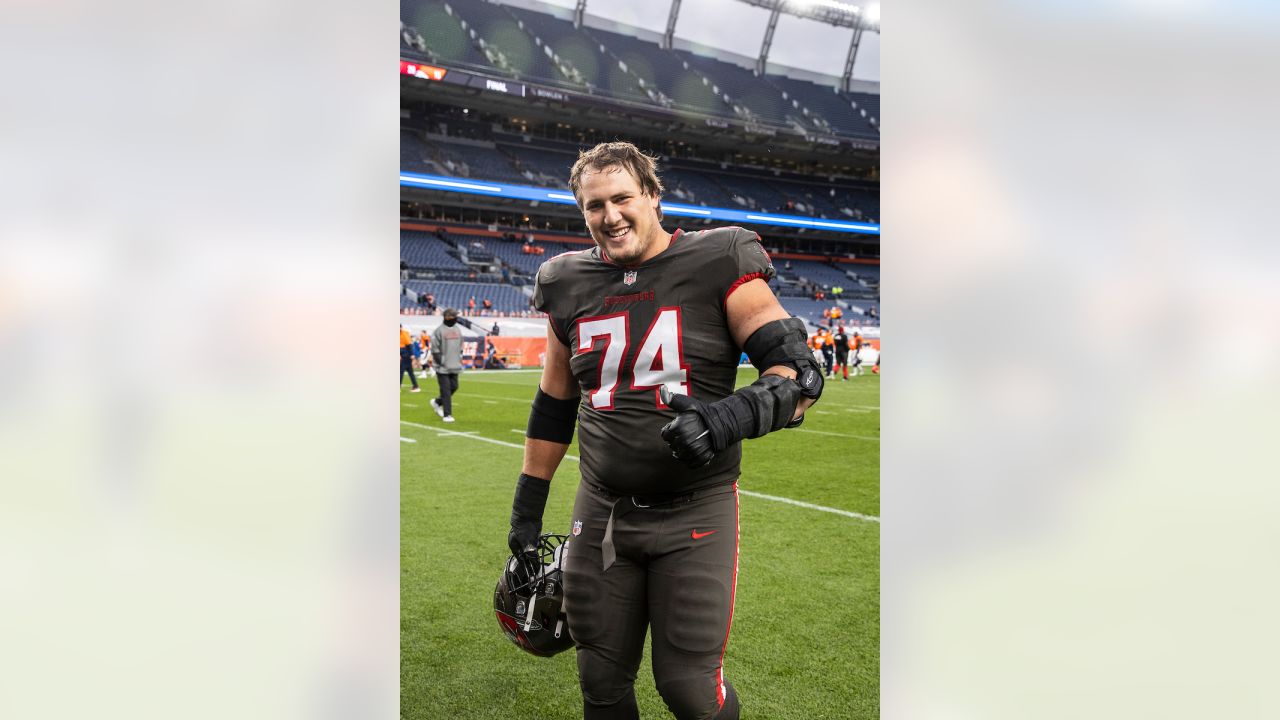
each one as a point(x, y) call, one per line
point(763, 101)
point(826, 104)
point(759, 194)
point(553, 164)
point(513, 48)
point(539, 46)
point(866, 101)
point(705, 190)
point(443, 34)
point(821, 274)
point(660, 69)
point(506, 299)
point(414, 155)
point(425, 250)
point(480, 161)
point(582, 55)
point(794, 285)
point(806, 309)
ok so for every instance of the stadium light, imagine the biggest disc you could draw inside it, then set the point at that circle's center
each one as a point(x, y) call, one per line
point(873, 12)
point(528, 192)
point(834, 12)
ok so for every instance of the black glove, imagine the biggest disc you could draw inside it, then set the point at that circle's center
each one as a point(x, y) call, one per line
point(526, 513)
point(703, 429)
point(687, 435)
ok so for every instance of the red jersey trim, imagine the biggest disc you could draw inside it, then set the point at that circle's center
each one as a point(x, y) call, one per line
point(733, 593)
point(739, 283)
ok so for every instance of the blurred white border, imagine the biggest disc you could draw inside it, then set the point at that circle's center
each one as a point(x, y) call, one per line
point(1080, 288)
point(198, 456)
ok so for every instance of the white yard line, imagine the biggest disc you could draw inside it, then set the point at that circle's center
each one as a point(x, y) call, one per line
point(471, 436)
point(405, 439)
point(407, 405)
point(762, 496)
point(526, 401)
point(811, 506)
point(843, 435)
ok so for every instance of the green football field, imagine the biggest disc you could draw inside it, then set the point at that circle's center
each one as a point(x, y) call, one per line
point(806, 624)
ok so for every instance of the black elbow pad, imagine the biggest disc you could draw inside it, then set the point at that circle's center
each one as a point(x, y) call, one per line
point(784, 342)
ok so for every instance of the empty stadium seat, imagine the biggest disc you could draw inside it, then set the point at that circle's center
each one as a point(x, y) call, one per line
point(443, 33)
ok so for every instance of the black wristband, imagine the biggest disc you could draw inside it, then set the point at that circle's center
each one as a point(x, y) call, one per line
point(531, 498)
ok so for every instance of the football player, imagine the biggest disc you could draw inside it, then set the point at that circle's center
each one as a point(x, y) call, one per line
point(643, 341)
point(857, 354)
point(841, 343)
point(828, 352)
point(406, 359)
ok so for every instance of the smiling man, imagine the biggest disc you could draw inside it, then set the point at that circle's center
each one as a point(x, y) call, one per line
point(644, 335)
point(619, 194)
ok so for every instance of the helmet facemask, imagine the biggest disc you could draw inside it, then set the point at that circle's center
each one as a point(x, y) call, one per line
point(529, 598)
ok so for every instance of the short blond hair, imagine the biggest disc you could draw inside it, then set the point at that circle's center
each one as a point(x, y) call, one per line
point(643, 168)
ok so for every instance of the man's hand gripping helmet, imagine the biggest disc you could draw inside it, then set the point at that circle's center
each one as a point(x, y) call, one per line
point(529, 598)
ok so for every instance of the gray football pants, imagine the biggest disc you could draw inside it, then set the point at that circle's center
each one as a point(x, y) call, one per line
point(674, 568)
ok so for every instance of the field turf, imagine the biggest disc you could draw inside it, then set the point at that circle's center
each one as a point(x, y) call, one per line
point(806, 628)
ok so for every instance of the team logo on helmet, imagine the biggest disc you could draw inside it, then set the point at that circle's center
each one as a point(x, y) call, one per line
point(529, 597)
point(629, 277)
point(577, 527)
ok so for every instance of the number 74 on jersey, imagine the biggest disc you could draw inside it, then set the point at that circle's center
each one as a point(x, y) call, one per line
point(659, 362)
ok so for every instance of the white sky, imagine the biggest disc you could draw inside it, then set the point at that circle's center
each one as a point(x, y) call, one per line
point(738, 27)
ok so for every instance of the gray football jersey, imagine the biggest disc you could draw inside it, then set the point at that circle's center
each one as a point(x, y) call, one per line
point(631, 330)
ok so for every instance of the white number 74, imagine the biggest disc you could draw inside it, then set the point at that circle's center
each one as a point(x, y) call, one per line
point(659, 362)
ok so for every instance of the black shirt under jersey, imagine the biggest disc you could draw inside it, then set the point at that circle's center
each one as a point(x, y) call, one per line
point(630, 330)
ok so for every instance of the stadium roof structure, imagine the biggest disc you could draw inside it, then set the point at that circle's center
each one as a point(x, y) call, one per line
point(831, 12)
point(828, 11)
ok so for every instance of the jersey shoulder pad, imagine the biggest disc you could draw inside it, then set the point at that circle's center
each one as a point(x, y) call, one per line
point(742, 247)
point(553, 270)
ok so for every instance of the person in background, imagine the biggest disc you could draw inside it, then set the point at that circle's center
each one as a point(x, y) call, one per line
point(857, 349)
point(415, 362)
point(841, 342)
point(446, 353)
point(406, 359)
point(424, 340)
point(829, 353)
point(817, 341)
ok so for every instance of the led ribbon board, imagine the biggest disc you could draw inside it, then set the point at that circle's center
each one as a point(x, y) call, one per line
point(470, 186)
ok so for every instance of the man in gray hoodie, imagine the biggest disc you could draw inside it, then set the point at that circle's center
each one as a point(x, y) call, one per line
point(446, 354)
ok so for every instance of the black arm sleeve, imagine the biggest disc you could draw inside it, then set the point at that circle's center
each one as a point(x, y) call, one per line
point(552, 419)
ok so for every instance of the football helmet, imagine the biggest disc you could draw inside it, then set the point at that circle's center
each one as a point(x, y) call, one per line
point(529, 598)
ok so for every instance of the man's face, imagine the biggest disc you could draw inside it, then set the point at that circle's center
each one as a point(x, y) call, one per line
point(622, 219)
